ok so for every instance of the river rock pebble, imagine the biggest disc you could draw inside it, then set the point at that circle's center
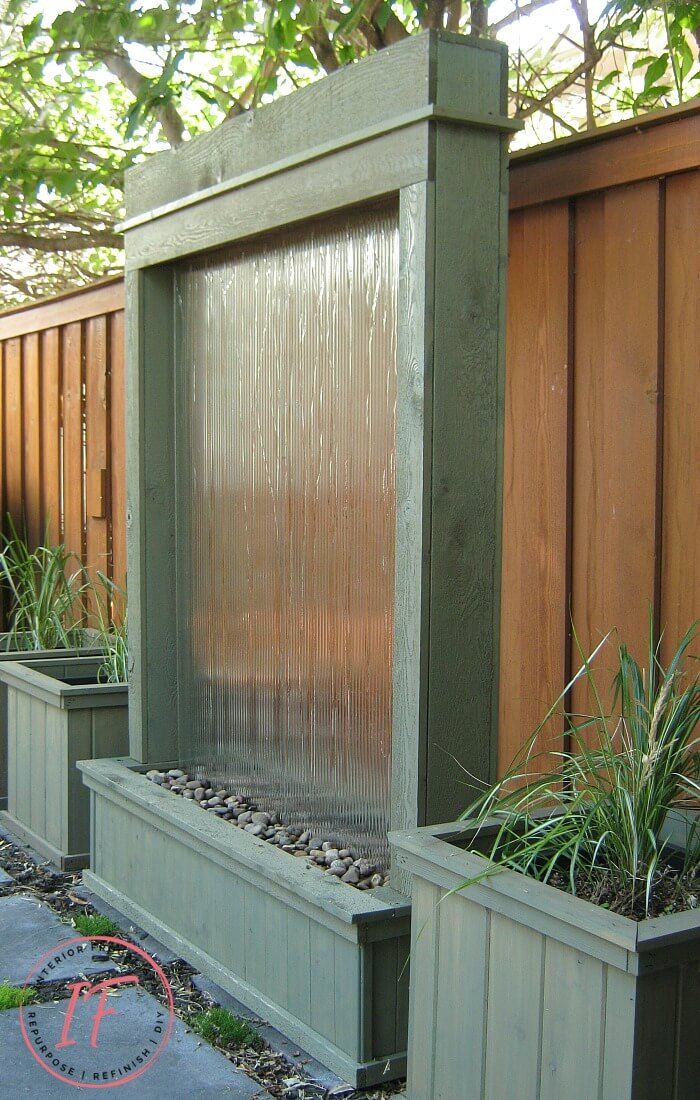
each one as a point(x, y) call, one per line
point(343, 863)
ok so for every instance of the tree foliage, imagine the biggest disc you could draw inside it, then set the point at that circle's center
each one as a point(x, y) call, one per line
point(89, 86)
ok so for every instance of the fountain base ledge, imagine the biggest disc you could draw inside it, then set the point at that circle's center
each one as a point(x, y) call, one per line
point(322, 962)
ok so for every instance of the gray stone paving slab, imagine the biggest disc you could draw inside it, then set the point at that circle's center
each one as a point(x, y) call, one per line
point(318, 1073)
point(28, 929)
point(187, 1067)
point(149, 943)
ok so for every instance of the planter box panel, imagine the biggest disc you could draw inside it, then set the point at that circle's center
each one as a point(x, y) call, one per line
point(502, 997)
point(318, 960)
point(463, 929)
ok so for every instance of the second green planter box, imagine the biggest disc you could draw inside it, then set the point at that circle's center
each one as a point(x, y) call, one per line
point(58, 713)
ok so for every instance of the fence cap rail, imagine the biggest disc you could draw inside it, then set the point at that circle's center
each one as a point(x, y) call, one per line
point(95, 299)
point(657, 144)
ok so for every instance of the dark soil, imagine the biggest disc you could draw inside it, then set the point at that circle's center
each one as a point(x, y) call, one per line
point(671, 893)
point(271, 1070)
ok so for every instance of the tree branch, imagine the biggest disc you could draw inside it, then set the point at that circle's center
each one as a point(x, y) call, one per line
point(170, 121)
point(67, 242)
point(520, 13)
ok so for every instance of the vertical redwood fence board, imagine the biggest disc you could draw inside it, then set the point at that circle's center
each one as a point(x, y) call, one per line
point(533, 593)
point(73, 489)
point(96, 429)
point(680, 575)
point(14, 489)
point(51, 432)
point(31, 413)
point(615, 406)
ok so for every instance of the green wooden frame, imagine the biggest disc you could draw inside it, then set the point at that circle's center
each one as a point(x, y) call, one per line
point(424, 121)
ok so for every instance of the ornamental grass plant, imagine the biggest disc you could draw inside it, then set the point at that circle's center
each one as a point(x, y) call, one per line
point(47, 586)
point(597, 823)
point(112, 631)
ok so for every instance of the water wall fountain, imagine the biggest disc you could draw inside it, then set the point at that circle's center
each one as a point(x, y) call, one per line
point(315, 316)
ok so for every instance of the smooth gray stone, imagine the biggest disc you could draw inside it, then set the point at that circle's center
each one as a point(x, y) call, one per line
point(298, 1057)
point(5, 879)
point(187, 1067)
point(27, 930)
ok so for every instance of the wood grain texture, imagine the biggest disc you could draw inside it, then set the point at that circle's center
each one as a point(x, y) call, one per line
point(423, 992)
point(636, 150)
point(63, 309)
point(13, 433)
point(423, 69)
point(533, 593)
point(151, 508)
point(359, 174)
point(97, 446)
point(72, 355)
point(615, 421)
point(514, 1009)
point(680, 578)
point(413, 491)
point(50, 477)
point(466, 500)
point(31, 413)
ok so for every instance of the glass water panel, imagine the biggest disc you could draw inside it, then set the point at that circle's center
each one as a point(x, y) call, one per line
point(286, 515)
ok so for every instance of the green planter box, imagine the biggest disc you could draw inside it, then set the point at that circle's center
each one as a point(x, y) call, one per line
point(52, 721)
point(320, 961)
point(88, 649)
point(518, 989)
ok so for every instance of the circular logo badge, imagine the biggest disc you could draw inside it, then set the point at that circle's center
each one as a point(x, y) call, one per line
point(109, 1030)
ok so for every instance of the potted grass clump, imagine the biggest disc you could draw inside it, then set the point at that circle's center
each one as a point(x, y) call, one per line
point(44, 590)
point(61, 709)
point(556, 928)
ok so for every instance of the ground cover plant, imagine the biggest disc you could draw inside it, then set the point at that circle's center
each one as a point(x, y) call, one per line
point(219, 1025)
point(46, 587)
point(13, 996)
point(597, 824)
point(94, 924)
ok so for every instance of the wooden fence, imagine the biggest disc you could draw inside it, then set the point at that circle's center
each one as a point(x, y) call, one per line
point(602, 440)
point(602, 436)
point(62, 423)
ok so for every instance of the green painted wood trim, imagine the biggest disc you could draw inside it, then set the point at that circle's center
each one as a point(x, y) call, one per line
point(41, 679)
point(450, 399)
point(369, 95)
point(273, 870)
point(430, 112)
point(362, 173)
point(151, 522)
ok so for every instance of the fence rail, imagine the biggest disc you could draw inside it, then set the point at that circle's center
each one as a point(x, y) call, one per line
point(602, 430)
